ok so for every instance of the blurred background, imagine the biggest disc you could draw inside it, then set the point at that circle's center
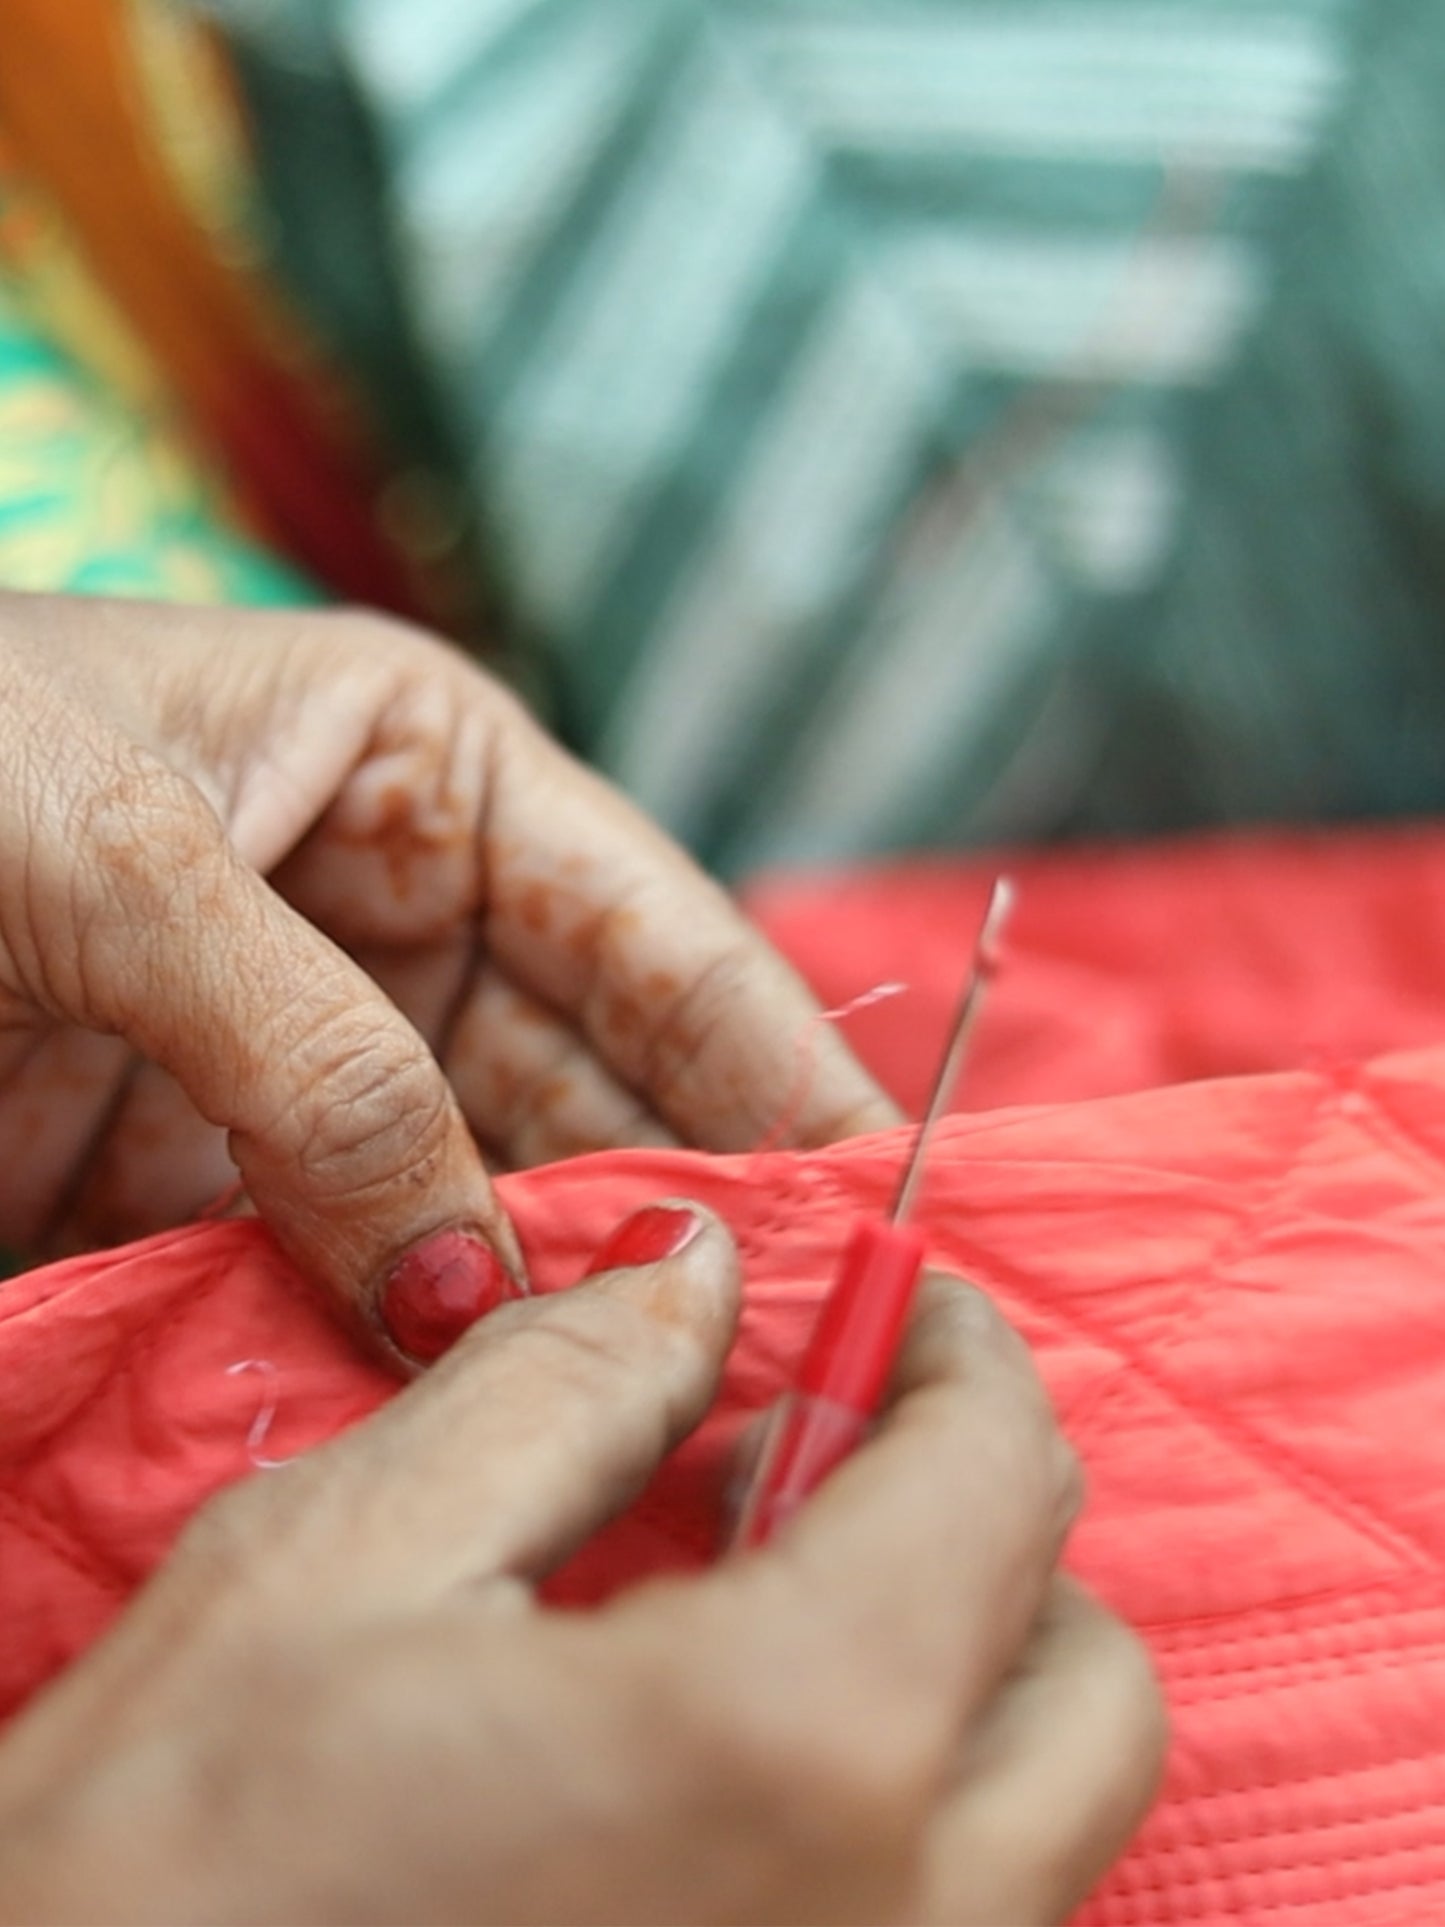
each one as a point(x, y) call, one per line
point(856, 425)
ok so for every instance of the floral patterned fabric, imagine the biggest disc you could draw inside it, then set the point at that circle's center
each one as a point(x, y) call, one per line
point(100, 491)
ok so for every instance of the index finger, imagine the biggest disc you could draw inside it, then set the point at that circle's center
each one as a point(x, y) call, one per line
point(594, 909)
point(918, 1569)
point(347, 1136)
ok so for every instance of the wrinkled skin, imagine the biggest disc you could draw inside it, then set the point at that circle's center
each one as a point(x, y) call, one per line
point(225, 834)
point(342, 1701)
point(248, 863)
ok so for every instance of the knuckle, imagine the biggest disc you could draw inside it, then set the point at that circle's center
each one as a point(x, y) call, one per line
point(372, 631)
point(685, 1028)
point(1115, 1671)
point(387, 1108)
point(863, 1785)
point(394, 646)
point(145, 826)
point(394, 658)
point(150, 860)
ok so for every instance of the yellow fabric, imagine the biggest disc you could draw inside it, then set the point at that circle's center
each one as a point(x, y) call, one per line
point(100, 488)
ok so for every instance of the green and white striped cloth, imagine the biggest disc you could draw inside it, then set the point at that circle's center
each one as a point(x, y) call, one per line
point(897, 422)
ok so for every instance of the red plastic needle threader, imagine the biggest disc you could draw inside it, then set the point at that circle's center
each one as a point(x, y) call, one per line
point(854, 1344)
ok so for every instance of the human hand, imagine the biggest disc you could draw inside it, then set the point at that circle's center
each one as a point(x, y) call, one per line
point(249, 861)
point(342, 1700)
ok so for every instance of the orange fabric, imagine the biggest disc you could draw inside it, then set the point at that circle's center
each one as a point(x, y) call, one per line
point(71, 117)
point(1236, 1289)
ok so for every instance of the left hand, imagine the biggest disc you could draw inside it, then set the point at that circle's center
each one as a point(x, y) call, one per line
point(163, 1010)
point(342, 1700)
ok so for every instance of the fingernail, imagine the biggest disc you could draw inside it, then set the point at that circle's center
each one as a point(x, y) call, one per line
point(440, 1289)
point(656, 1232)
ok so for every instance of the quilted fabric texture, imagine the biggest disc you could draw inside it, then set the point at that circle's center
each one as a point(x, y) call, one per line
point(1236, 1289)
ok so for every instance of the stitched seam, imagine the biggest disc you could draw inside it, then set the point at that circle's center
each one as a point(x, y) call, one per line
point(1241, 1236)
point(1235, 1682)
point(1348, 1646)
point(1344, 1084)
point(1205, 1838)
point(1348, 1608)
point(1186, 1882)
point(1372, 1635)
point(1185, 1892)
point(1295, 1782)
point(1264, 1454)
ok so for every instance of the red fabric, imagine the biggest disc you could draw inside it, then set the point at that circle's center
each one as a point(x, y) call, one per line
point(1136, 967)
point(1236, 1289)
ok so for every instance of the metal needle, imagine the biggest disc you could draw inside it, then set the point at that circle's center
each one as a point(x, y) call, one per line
point(980, 973)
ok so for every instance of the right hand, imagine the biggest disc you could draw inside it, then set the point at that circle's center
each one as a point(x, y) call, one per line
point(342, 1700)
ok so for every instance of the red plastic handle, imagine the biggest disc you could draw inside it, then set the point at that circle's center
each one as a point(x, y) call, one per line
point(860, 1326)
point(843, 1375)
point(806, 1439)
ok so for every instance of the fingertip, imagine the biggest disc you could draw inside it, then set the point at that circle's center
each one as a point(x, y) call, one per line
point(439, 1289)
point(677, 1259)
point(656, 1232)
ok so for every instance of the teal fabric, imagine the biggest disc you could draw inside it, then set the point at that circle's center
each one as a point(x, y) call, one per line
point(1292, 661)
point(912, 421)
point(102, 497)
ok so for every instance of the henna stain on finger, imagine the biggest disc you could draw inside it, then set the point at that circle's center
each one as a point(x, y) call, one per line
point(554, 1094)
point(402, 838)
point(507, 1089)
point(623, 1017)
point(631, 1016)
point(535, 906)
point(410, 823)
point(525, 1015)
point(395, 837)
point(590, 940)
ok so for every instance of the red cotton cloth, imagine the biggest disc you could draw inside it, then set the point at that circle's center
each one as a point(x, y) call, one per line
point(1234, 1287)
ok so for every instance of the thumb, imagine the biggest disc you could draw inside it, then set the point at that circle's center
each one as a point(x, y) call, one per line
point(341, 1122)
point(534, 1432)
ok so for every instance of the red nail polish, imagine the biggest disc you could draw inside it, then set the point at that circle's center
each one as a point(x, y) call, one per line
point(440, 1289)
point(656, 1232)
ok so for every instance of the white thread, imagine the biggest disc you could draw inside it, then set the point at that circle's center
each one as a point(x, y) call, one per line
point(265, 1417)
point(880, 993)
point(805, 1050)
